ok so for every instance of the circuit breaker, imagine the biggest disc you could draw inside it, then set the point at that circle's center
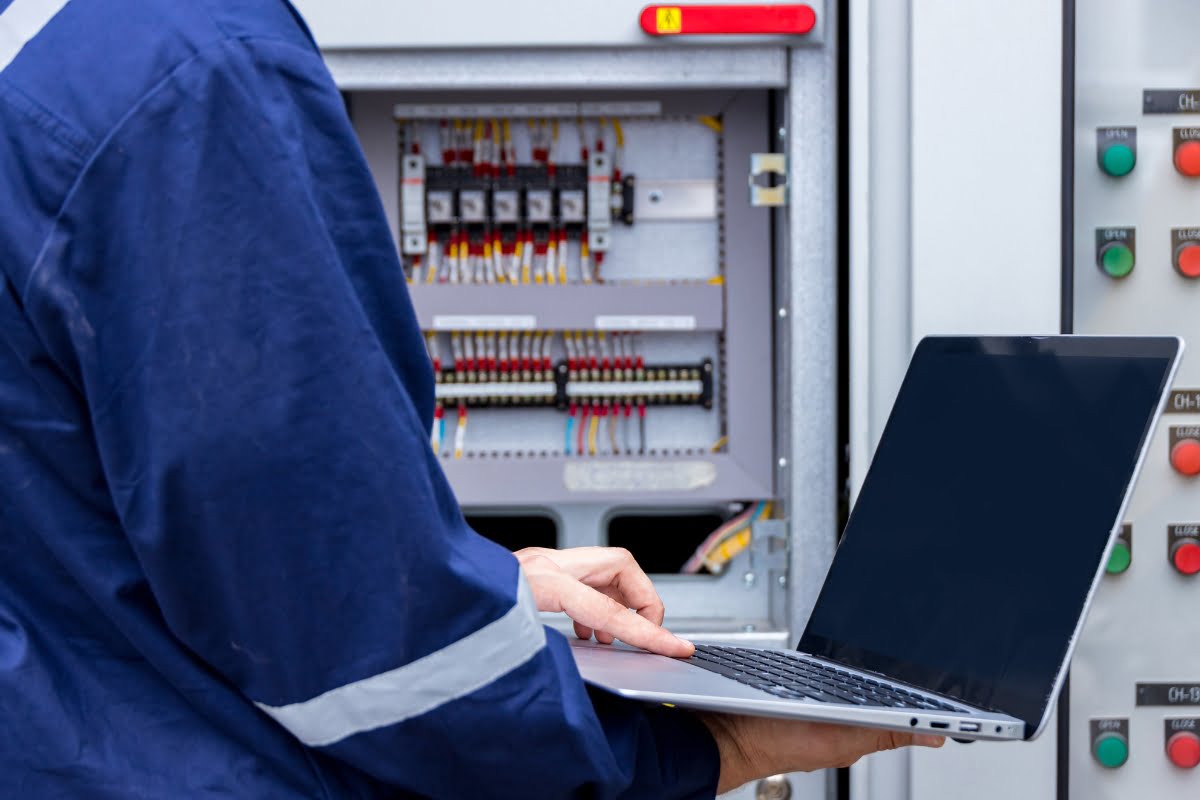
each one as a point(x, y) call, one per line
point(625, 274)
point(1135, 202)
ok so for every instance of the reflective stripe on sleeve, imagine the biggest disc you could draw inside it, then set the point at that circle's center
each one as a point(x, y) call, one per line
point(22, 21)
point(391, 697)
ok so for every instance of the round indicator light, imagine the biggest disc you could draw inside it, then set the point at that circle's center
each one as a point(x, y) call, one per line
point(1116, 259)
point(1120, 559)
point(1183, 749)
point(1118, 160)
point(1185, 555)
point(1185, 457)
point(1187, 259)
point(1187, 159)
point(1111, 750)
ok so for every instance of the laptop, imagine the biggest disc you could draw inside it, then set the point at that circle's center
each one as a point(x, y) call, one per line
point(970, 559)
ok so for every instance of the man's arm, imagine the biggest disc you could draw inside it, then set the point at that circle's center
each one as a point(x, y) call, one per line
point(224, 291)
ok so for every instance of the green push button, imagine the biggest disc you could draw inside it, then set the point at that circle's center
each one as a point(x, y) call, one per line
point(1117, 160)
point(1116, 259)
point(1120, 559)
point(1111, 750)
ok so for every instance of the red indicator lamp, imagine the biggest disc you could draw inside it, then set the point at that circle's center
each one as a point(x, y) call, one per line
point(1183, 749)
point(692, 20)
point(1185, 457)
point(1186, 556)
point(1187, 158)
point(1187, 258)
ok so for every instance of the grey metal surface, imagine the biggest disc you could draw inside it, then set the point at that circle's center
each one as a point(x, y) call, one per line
point(617, 68)
point(671, 200)
point(1142, 626)
point(746, 252)
point(536, 480)
point(681, 306)
point(513, 23)
point(810, 473)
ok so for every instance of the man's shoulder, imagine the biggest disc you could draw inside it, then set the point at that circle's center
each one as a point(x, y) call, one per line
point(93, 60)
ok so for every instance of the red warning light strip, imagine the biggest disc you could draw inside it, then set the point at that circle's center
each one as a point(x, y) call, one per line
point(686, 20)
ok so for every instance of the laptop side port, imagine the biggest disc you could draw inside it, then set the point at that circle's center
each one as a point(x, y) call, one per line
point(968, 726)
point(939, 724)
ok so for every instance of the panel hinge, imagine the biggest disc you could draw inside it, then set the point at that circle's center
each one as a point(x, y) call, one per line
point(768, 180)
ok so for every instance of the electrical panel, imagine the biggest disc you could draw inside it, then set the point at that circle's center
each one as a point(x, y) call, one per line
point(1134, 702)
point(618, 223)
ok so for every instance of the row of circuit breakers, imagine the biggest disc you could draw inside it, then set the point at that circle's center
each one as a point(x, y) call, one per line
point(484, 214)
point(513, 195)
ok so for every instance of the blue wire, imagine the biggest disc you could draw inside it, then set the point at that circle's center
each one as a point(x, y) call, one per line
point(569, 437)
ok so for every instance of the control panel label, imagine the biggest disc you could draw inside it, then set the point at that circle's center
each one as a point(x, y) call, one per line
point(1106, 235)
point(1181, 432)
point(1171, 101)
point(1122, 135)
point(610, 322)
point(1176, 725)
point(1183, 401)
point(1186, 135)
point(1181, 235)
point(1109, 726)
point(1168, 694)
point(1176, 532)
point(455, 322)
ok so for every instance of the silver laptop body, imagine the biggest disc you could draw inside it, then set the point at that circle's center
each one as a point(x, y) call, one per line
point(924, 598)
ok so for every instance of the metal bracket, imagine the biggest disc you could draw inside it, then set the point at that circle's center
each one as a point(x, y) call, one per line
point(769, 546)
point(762, 192)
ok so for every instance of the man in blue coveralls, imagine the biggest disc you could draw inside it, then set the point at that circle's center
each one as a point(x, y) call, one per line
point(229, 562)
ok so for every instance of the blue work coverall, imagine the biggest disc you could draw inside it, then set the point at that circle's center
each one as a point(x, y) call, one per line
point(230, 565)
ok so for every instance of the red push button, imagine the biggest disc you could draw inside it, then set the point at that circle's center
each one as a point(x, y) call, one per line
point(1183, 749)
point(1185, 556)
point(1187, 258)
point(685, 20)
point(1185, 457)
point(1187, 158)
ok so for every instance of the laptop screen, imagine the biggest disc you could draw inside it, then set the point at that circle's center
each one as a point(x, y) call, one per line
point(981, 525)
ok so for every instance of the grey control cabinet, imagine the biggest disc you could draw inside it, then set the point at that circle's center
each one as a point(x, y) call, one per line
point(729, 267)
point(1134, 204)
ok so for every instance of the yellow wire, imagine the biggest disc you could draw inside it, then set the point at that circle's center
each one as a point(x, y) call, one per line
point(462, 426)
point(593, 427)
point(521, 259)
point(719, 443)
point(713, 123)
point(619, 132)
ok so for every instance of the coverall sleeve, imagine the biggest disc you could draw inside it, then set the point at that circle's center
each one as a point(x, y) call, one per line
point(224, 288)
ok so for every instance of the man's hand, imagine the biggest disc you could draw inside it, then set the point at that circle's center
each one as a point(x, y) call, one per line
point(596, 587)
point(755, 747)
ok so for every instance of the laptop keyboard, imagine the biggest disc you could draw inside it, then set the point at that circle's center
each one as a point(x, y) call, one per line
point(789, 676)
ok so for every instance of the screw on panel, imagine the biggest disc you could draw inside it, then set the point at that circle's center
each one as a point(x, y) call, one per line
point(782, 313)
point(749, 579)
point(782, 134)
point(783, 581)
point(783, 463)
point(655, 196)
point(748, 629)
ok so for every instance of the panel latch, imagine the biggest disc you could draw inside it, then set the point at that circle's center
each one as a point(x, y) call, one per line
point(768, 180)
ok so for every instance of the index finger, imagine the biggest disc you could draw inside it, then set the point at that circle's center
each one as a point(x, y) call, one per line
point(595, 610)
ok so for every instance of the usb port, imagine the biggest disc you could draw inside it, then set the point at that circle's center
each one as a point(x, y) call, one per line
point(939, 724)
point(968, 726)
